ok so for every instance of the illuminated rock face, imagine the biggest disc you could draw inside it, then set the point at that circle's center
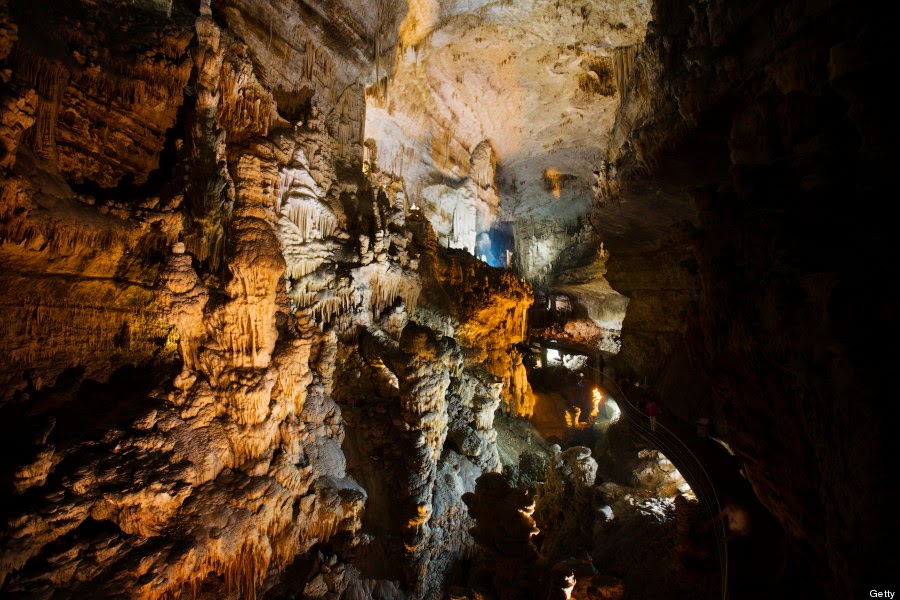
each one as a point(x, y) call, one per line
point(534, 82)
point(226, 350)
point(217, 321)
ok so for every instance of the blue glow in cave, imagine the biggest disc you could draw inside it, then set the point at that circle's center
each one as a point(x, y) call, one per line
point(492, 245)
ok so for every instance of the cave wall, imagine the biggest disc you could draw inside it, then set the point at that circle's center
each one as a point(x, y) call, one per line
point(224, 344)
point(231, 361)
point(78, 270)
point(762, 121)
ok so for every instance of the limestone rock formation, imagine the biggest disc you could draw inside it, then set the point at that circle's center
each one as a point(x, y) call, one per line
point(567, 500)
point(267, 270)
point(504, 528)
point(243, 279)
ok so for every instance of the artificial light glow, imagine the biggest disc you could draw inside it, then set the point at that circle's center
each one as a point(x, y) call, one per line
point(724, 444)
point(683, 486)
point(572, 416)
point(570, 585)
point(421, 17)
point(554, 181)
point(552, 355)
point(597, 399)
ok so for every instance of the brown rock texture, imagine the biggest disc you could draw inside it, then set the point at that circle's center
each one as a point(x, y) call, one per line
point(488, 312)
point(109, 87)
point(249, 343)
point(194, 253)
point(230, 249)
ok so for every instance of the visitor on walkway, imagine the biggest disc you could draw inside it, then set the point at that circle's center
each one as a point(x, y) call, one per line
point(651, 412)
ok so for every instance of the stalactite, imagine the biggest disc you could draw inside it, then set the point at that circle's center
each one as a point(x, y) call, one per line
point(384, 294)
point(344, 133)
point(387, 289)
point(386, 17)
point(376, 211)
point(309, 61)
point(332, 304)
point(246, 108)
point(465, 228)
point(345, 327)
point(312, 218)
point(302, 299)
point(50, 79)
point(304, 267)
point(243, 571)
point(623, 63)
point(324, 526)
point(207, 246)
point(93, 329)
point(483, 164)
point(61, 238)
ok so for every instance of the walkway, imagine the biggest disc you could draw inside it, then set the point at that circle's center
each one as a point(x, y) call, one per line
point(681, 455)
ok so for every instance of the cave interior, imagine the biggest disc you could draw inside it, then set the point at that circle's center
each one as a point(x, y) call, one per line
point(463, 299)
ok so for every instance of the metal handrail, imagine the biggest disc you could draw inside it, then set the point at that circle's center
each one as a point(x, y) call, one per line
point(685, 460)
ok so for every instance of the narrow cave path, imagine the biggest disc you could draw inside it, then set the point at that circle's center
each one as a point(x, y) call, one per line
point(689, 464)
point(747, 537)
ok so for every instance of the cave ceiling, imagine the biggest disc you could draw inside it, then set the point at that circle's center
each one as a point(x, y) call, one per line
point(533, 79)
